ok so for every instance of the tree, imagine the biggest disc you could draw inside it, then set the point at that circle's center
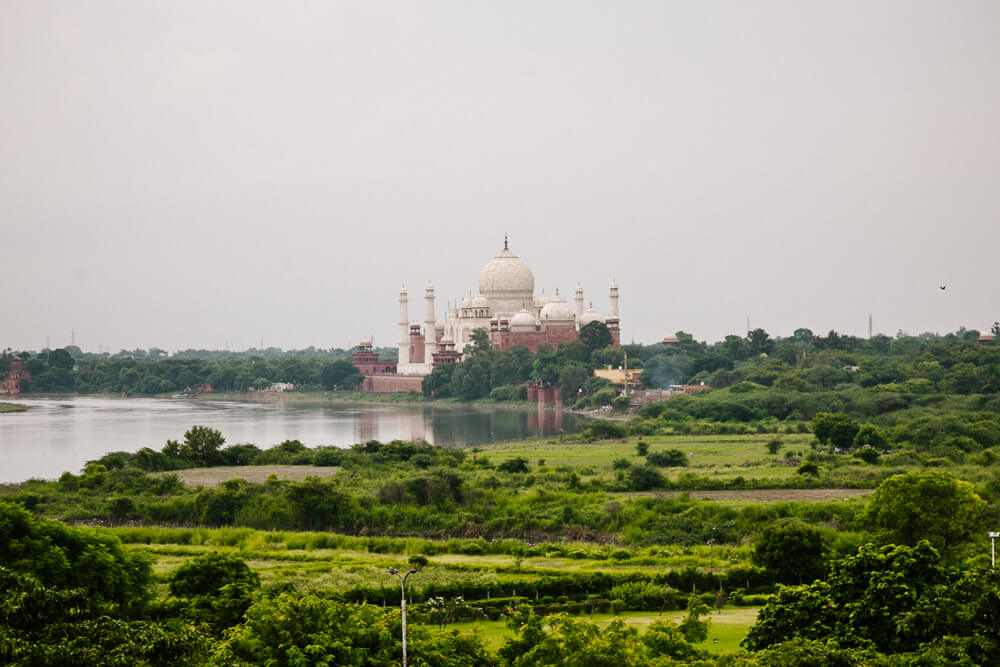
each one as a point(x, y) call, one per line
point(63, 557)
point(928, 505)
point(790, 551)
point(595, 336)
point(671, 458)
point(644, 478)
point(218, 588)
point(868, 434)
point(340, 373)
point(514, 465)
point(759, 342)
point(479, 340)
point(201, 446)
point(48, 626)
point(873, 598)
point(295, 629)
point(572, 378)
point(835, 428)
point(208, 573)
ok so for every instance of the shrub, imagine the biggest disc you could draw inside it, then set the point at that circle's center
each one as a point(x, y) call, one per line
point(672, 458)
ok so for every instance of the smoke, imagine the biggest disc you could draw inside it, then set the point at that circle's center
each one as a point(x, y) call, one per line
point(662, 370)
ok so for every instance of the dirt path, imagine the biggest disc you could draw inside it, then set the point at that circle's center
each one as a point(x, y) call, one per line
point(255, 474)
point(763, 495)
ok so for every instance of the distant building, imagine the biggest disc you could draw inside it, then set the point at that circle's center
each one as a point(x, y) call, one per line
point(12, 383)
point(367, 361)
point(688, 388)
point(507, 309)
point(617, 375)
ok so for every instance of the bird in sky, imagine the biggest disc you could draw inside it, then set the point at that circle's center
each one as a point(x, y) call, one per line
point(943, 286)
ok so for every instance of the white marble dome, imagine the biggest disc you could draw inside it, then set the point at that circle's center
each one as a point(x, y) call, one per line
point(590, 316)
point(557, 310)
point(506, 276)
point(479, 302)
point(522, 320)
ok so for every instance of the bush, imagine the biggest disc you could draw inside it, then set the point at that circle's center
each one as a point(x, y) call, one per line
point(514, 465)
point(672, 458)
point(808, 468)
point(645, 478)
point(600, 429)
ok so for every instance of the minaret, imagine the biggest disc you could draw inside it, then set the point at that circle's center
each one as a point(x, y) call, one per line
point(579, 303)
point(404, 326)
point(613, 308)
point(614, 327)
point(430, 323)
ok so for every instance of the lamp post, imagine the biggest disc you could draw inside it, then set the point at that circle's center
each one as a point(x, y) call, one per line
point(993, 549)
point(402, 603)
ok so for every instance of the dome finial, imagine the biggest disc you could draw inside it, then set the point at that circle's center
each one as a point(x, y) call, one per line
point(505, 241)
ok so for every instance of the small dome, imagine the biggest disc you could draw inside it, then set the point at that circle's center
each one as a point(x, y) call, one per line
point(523, 319)
point(544, 299)
point(557, 310)
point(479, 302)
point(447, 340)
point(506, 276)
point(590, 316)
point(466, 302)
point(365, 342)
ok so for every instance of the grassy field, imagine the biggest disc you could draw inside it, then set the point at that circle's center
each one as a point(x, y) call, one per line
point(717, 456)
point(319, 569)
point(12, 407)
point(255, 474)
point(727, 630)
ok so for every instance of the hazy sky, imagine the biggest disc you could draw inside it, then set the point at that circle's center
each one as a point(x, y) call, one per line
point(192, 174)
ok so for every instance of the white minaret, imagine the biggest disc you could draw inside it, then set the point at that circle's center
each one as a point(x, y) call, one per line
point(404, 326)
point(579, 303)
point(613, 296)
point(430, 325)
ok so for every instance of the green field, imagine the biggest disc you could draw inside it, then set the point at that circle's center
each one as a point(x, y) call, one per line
point(719, 457)
point(727, 630)
point(12, 407)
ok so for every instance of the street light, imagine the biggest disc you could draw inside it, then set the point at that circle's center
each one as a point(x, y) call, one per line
point(993, 549)
point(402, 603)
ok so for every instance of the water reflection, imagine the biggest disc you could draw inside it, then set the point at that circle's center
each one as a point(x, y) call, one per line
point(57, 435)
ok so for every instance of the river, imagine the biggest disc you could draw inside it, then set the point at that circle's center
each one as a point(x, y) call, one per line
point(60, 434)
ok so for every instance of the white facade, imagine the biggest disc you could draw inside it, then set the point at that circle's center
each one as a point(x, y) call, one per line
point(506, 292)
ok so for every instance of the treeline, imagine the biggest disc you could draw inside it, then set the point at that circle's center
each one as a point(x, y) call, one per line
point(802, 363)
point(153, 372)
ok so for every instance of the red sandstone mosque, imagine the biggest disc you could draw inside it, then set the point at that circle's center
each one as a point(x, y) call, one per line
point(506, 308)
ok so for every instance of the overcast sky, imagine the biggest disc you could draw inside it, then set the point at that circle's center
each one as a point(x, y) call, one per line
point(192, 174)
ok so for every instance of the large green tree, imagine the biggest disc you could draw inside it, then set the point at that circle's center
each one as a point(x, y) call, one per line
point(791, 551)
point(340, 374)
point(927, 505)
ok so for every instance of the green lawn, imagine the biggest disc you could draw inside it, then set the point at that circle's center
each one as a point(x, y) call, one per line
point(728, 627)
point(12, 407)
point(718, 456)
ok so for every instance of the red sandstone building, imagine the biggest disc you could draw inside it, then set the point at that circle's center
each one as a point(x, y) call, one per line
point(12, 383)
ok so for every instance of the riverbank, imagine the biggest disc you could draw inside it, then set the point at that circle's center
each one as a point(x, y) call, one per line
point(13, 407)
point(368, 398)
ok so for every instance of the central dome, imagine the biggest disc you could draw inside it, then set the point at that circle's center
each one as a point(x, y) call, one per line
point(507, 277)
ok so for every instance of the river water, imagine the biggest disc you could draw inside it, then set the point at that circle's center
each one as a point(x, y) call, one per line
point(60, 434)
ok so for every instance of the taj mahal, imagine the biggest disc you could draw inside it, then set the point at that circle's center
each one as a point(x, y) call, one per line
point(507, 308)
